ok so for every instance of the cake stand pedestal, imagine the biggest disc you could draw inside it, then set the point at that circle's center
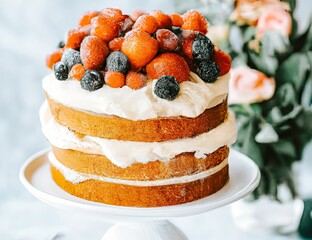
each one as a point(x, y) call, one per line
point(140, 223)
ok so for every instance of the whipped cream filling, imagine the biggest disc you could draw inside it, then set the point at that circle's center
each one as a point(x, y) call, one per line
point(125, 153)
point(77, 177)
point(194, 98)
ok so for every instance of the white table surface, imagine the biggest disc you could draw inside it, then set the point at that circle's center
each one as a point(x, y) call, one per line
point(28, 31)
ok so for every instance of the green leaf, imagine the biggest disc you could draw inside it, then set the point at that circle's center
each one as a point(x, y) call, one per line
point(275, 44)
point(285, 148)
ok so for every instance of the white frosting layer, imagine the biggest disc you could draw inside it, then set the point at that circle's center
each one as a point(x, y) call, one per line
point(194, 97)
point(125, 153)
point(76, 177)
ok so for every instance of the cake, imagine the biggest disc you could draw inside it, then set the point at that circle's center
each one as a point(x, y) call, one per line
point(136, 109)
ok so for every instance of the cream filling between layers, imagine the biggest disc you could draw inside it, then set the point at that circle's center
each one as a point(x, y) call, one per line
point(77, 177)
point(125, 153)
point(194, 98)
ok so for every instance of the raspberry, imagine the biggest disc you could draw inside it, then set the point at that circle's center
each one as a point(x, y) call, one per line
point(193, 20)
point(169, 64)
point(113, 14)
point(176, 19)
point(60, 71)
point(85, 29)
point(135, 80)
point(167, 88)
point(74, 39)
point(139, 47)
point(116, 44)
point(136, 14)
point(208, 71)
point(87, 17)
point(163, 20)
point(167, 40)
point(70, 58)
point(104, 28)
point(118, 62)
point(77, 71)
point(146, 23)
point(54, 57)
point(114, 79)
point(223, 60)
point(92, 80)
point(93, 52)
point(202, 47)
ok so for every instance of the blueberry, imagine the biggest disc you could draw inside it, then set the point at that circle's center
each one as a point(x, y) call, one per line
point(202, 47)
point(92, 80)
point(61, 44)
point(71, 57)
point(60, 71)
point(118, 62)
point(167, 88)
point(208, 71)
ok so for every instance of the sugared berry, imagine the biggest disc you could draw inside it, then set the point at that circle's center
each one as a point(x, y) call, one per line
point(163, 20)
point(193, 20)
point(125, 26)
point(139, 47)
point(77, 72)
point(71, 57)
point(167, 40)
point(118, 62)
point(223, 60)
point(168, 64)
point(104, 28)
point(92, 80)
point(93, 52)
point(113, 14)
point(114, 79)
point(74, 38)
point(54, 57)
point(135, 80)
point(208, 71)
point(136, 14)
point(116, 44)
point(176, 19)
point(146, 23)
point(87, 17)
point(60, 71)
point(167, 88)
point(187, 46)
point(202, 48)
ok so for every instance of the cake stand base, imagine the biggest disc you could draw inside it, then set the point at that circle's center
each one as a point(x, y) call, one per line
point(139, 223)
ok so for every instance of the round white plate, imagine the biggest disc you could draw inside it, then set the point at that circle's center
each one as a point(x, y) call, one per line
point(36, 177)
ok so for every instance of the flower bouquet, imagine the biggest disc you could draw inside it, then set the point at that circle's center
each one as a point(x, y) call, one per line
point(271, 88)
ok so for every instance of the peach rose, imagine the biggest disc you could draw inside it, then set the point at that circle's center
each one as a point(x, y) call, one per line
point(249, 86)
point(275, 19)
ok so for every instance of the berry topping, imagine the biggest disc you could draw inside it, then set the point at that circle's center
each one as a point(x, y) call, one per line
point(61, 44)
point(146, 23)
point(176, 19)
point(135, 80)
point(71, 57)
point(136, 14)
point(53, 58)
point(87, 17)
point(125, 26)
point(167, 88)
point(193, 20)
point(223, 60)
point(202, 48)
point(208, 71)
point(60, 71)
point(93, 52)
point(77, 72)
point(163, 20)
point(114, 79)
point(167, 40)
point(105, 28)
point(113, 14)
point(74, 39)
point(177, 31)
point(92, 80)
point(139, 47)
point(187, 46)
point(116, 44)
point(170, 64)
point(118, 62)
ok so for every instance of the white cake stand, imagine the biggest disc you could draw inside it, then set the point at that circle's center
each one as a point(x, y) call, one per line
point(140, 223)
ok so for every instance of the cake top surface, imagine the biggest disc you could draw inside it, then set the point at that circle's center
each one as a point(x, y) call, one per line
point(129, 51)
